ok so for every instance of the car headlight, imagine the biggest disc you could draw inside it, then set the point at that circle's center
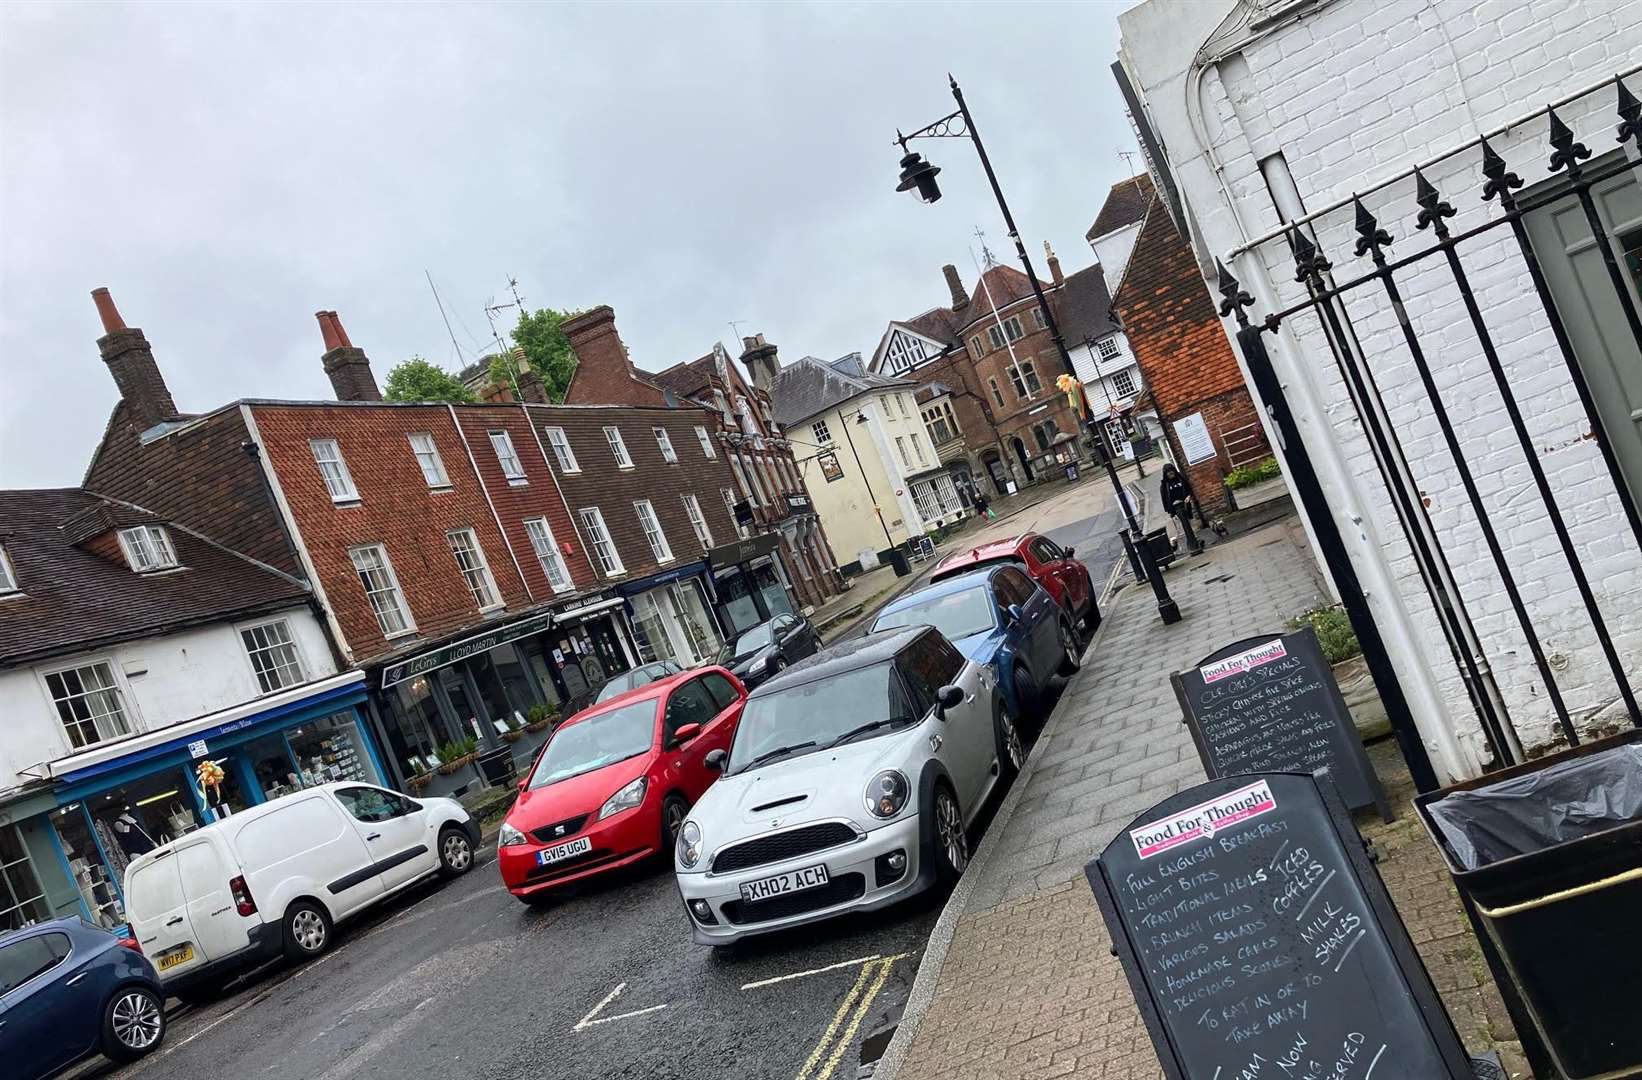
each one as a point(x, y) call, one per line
point(625, 799)
point(886, 794)
point(510, 837)
point(689, 844)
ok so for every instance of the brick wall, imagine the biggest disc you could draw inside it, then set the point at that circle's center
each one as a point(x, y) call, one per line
point(604, 373)
point(1222, 413)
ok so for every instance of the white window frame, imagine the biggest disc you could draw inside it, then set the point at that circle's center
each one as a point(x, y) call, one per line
point(1127, 374)
point(651, 524)
point(822, 433)
point(1012, 328)
point(665, 442)
point(994, 334)
point(698, 520)
point(730, 502)
point(546, 547)
point(901, 446)
point(115, 685)
point(618, 447)
point(508, 458)
point(392, 591)
point(8, 576)
point(338, 480)
point(703, 437)
point(147, 548)
point(1108, 348)
point(602, 543)
point(285, 673)
point(474, 568)
point(977, 346)
point(901, 402)
point(560, 443)
point(918, 449)
point(428, 459)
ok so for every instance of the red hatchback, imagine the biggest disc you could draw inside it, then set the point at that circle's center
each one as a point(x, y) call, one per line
point(1045, 561)
point(613, 783)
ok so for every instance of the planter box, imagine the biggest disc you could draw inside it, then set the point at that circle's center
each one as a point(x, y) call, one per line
point(456, 763)
point(540, 725)
point(514, 736)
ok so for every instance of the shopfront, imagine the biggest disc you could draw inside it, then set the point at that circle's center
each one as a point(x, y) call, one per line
point(117, 801)
point(749, 584)
point(672, 617)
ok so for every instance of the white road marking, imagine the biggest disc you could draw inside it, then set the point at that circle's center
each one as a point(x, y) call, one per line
point(813, 971)
point(589, 1020)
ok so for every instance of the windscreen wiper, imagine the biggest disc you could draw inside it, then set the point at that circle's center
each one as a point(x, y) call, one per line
point(779, 751)
point(864, 728)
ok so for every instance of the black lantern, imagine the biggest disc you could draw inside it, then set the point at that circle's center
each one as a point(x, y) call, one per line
point(920, 174)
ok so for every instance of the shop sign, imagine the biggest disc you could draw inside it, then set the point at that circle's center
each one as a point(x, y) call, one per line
point(741, 551)
point(394, 674)
point(798, 504)
point(829, 466)
point(655, 581)
point(196, 749)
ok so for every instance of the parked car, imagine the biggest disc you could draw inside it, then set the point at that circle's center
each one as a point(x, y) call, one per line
point(768, 647)
point(852, 782)
point(614, 783)
point(632, 680)
point(997, 616)
point(1045, 562)
point(69, 990)
point(279, 876)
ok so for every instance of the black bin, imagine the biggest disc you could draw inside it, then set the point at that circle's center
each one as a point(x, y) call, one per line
point(496, 766)
point(898, 559)
point(1547, 857)
point(1162, 551)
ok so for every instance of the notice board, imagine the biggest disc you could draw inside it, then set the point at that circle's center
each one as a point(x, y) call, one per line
point(1260, 942)
point(1270, 703)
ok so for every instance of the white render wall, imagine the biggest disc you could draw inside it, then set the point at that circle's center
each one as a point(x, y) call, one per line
point(845, 505)
point(184, 675)
point(1096, 374)
point(1349, 97)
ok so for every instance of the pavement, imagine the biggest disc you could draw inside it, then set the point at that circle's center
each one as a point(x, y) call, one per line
point(1018, 980)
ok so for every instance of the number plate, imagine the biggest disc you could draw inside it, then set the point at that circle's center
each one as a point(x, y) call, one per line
point(172, 957)
point(810, 877)
point(548, 856)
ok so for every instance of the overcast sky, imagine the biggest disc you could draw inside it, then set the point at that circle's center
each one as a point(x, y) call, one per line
point(228, 170)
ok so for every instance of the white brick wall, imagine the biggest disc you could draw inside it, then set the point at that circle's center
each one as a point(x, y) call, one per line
point(1349, 97)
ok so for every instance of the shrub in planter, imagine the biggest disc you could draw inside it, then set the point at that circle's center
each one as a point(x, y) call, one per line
point(1334, 633)
point(539, 717)
point(1249, 475)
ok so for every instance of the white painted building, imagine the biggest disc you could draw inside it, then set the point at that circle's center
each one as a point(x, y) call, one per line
point(1273, 112)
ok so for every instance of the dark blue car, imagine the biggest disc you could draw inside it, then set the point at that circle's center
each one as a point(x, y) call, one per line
point(69, 990)
point(999, 616)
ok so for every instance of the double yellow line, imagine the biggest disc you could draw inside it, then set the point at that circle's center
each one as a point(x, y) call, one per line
point(841, 1034)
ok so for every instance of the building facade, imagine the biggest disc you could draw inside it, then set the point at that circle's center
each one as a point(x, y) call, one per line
point(1113, 385)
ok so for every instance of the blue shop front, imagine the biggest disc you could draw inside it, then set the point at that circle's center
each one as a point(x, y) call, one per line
point(117, 801)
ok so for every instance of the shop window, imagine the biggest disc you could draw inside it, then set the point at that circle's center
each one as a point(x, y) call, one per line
point(273, 655)
point(147, 547)
point(416, 730)
point(88, 703)
point(735, 597)
point(329, 749)
point(650, 631)
point(127, 822)
point(691, 610)
point(333, 470)
point(22, 900)
point(773, 590)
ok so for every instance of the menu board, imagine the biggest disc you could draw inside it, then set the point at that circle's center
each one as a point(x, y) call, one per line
point(1271, 703)
point(1259, 941)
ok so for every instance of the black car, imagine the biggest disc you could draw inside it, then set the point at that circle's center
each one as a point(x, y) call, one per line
point(768, 647)
point(643, 675)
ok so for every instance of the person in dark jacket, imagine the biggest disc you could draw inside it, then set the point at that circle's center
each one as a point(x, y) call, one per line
point(1177, 502)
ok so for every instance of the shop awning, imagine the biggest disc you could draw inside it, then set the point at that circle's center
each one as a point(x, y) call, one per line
point(340, 690)
point(677, 573)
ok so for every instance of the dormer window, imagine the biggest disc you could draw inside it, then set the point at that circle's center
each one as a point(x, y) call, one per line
point(146, 548)
point(8, 576)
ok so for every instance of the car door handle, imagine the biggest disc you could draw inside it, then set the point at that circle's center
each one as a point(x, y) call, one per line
point(76, 979)
point(173, 922)
point(374, 836)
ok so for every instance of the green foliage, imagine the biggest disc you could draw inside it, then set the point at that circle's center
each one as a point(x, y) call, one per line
point(1334, 633)
point(539, 333)
point(1249, 475)
point(459, 749)
point(417, 379)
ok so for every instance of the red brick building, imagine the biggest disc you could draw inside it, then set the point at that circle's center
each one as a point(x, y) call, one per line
point(1168, 313)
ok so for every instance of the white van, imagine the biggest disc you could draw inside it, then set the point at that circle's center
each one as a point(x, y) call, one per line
point(280, 875)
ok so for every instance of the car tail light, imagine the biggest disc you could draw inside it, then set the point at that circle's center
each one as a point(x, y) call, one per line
point(131, 943)
point(242, 896)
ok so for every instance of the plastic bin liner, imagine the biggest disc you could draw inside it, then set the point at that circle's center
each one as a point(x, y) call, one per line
point(1530, 813)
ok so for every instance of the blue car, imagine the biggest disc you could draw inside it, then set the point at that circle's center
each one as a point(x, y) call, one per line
point(999, 616)
point(69, 990)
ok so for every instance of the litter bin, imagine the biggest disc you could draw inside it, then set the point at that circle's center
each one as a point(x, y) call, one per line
point(1162, 549)
point(1548, 859)
point(898, 560)
point(496, 766)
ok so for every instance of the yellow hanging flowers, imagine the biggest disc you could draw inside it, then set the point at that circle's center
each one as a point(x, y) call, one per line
point(210, 775)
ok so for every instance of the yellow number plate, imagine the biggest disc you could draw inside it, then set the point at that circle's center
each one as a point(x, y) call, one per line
point(180, 955)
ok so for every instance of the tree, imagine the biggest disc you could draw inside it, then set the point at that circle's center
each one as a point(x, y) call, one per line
point(418, 380)
point(540, 334)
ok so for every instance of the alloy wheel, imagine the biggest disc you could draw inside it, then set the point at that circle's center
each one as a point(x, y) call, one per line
point(950, 825)
point(673, 821)
point(137, 1021)
point(1012, 740)
point(309, 930)
point(458, 852)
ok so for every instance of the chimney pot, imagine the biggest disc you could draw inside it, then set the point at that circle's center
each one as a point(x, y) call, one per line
point(327, 331)
point(1054, 264)
point(107, 311)
point(960, 298)
point(348, 366)
point(341, 334)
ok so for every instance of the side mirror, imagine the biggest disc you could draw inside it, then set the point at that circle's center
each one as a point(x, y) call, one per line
point(1069, 552)
point(685, 733)
point(948, 697)
point(715, 760)
point(1015, 613)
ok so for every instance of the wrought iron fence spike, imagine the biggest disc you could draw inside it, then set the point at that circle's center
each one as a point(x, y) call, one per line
point(1569, 153)
point(1370, 236)
point(1630, 115)
point(1235, 298)
point(1433, 208)
point(1308, 262)
point(1500, 179)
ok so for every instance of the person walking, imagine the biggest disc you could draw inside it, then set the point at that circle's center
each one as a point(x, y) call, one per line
point(982, 508)
point(1177, 502)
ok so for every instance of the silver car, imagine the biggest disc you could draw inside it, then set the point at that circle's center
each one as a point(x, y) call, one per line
point(851, 784)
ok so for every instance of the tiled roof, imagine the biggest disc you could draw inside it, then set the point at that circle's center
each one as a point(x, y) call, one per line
point(75, 600)
point(685, 379)
point(1125, 205)
point(1085, 307)
point(1006, 285)
point(810, 386)
point(938, 324)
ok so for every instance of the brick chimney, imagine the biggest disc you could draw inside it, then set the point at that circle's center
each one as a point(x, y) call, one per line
point(1054, 264)
point(960, 298)
point(759, 357)
point(130, 360)
point(348, 366)
point(604, 372)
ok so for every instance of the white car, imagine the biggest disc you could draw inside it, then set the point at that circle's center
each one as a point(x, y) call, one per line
point(851, 784)
point(280, 875)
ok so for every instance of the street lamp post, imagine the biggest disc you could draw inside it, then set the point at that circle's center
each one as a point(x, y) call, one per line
point(861, 418)
point(919, 175)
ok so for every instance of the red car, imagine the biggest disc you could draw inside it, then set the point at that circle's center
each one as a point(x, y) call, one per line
point(612, 785)
point(1045, 561)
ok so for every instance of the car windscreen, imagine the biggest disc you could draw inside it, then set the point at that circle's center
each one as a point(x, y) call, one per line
point(750, 642)
point(957, 615)
point(596, 742)
point(812, 715)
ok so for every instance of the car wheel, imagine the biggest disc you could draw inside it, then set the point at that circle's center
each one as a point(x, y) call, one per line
point(307, 930)
point(455, 853)
point(673, 811)
point(1070, 659)
point(1091, 616)
point(1026, 691)
point(951, 841)
point(133, 1023)
point(1011, 750)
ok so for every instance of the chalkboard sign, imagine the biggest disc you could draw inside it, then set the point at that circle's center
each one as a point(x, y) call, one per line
point(1260, 942)
point(1270, 703)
